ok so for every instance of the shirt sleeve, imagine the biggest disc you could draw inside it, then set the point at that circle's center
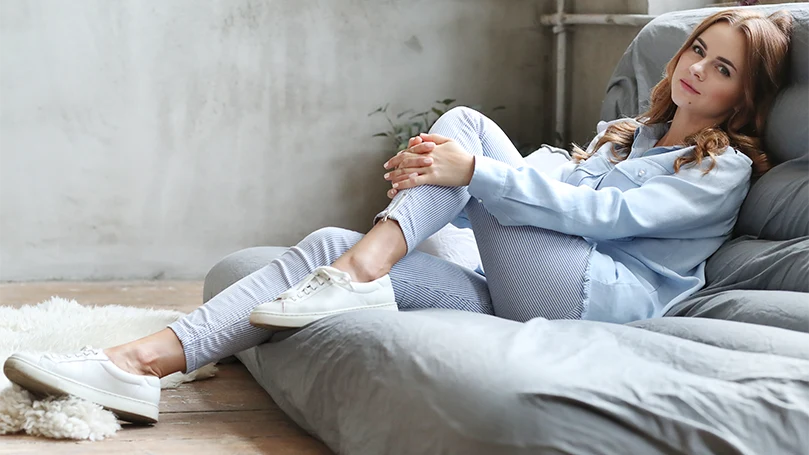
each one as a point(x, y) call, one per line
point(687, 204)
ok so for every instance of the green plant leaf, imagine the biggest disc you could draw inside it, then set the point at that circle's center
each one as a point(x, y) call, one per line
point(407, 124)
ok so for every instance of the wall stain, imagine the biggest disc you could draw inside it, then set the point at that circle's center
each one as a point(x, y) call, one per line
point(415, 44)
point(249, 14)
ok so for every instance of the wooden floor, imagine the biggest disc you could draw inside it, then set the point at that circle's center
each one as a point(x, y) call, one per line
point(228, 414)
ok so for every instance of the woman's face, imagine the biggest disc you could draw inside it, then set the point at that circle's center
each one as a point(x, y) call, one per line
point(708, 78)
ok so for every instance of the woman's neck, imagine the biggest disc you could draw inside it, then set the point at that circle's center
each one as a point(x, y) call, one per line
point(682, 126)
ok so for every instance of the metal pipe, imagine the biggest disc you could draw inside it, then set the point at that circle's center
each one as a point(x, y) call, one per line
point(636, 20)
point(561, 73)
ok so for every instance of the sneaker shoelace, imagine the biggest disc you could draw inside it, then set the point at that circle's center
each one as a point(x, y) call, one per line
point(310, 284)
point(86, 351)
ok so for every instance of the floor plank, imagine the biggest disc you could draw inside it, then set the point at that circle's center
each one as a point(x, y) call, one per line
point(183, 296)
point(232, 389)
point(227, 414)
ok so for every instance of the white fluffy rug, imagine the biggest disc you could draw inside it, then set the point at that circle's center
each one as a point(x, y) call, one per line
point(63, 326)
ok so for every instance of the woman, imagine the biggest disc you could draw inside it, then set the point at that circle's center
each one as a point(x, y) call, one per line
point(620, 234)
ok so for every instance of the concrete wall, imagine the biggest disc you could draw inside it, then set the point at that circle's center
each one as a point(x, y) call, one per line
point(657, 7)
point(149, 138)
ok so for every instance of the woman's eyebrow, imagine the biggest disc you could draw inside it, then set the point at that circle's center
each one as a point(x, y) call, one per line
point(721, 59)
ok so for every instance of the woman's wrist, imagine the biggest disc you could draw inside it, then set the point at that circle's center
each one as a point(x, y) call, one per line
point(470, 170)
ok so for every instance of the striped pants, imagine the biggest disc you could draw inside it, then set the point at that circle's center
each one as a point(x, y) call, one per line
point(530, 272)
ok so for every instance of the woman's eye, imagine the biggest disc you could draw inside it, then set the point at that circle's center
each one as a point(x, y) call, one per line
point(698, 49)
point(724, 71)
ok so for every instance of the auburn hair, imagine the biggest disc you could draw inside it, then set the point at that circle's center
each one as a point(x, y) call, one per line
point(768, 39)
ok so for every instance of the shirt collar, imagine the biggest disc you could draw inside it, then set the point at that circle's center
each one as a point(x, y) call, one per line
point(646, 136)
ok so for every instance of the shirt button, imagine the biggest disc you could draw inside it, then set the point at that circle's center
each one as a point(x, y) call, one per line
point(641, 172)
point(480, 200)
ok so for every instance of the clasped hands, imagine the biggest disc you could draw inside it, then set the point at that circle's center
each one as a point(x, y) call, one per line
point(429, 159)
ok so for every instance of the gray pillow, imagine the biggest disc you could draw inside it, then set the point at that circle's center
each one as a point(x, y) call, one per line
point(733, 335)
point(784, 309)
point(786, 134)
point(747, 263)
point(777, 206)
point(757, 281)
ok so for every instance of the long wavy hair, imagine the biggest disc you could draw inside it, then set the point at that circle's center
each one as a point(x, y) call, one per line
point(767, 46)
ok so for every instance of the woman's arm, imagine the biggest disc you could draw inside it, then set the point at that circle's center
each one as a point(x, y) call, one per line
point(683, 205)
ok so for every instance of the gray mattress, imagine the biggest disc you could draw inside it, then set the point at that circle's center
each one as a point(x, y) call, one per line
point(441, 381)
point(376, 382)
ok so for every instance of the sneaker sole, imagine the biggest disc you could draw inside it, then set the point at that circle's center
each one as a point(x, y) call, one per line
point(41, 382)
point(285, 321)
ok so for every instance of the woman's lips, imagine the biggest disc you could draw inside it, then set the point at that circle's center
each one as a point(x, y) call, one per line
point(688, 87)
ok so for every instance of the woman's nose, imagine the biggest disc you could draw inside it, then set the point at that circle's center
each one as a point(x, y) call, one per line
point(697, 70)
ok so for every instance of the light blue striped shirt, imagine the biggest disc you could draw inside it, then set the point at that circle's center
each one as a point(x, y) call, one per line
point(652, 229)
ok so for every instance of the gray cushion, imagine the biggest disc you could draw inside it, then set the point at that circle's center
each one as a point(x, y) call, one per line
point(787, 134)
point(735, 336)
point(236, 266)
point(756, 281)
point(777, 206)
point(747, 263)
point(784, 309)
point(453, 382)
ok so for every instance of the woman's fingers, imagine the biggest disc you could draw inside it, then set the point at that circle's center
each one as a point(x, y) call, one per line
point(409, 181)
point(405, 162)
point(420, 149)
point(415, 161)
point(401, 174)
point(436, 138)
point(414, 141)
point(418, 165)
point(409, 174)
point(424, 147)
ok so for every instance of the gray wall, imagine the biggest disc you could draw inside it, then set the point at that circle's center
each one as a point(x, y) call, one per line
point(149, 138)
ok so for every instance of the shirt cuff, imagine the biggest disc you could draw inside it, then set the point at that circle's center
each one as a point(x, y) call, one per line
point(488, 180)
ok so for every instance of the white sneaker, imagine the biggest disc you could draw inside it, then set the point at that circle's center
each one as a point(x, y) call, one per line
point(325, 292)
point(90, 375)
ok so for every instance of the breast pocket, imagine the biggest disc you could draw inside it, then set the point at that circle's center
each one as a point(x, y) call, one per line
point(633, 173)
point(590, 172)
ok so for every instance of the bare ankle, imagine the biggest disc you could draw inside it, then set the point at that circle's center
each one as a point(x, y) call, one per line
point(159, 354)
point(130, 360)
point(361, 269)
point(374, 255)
